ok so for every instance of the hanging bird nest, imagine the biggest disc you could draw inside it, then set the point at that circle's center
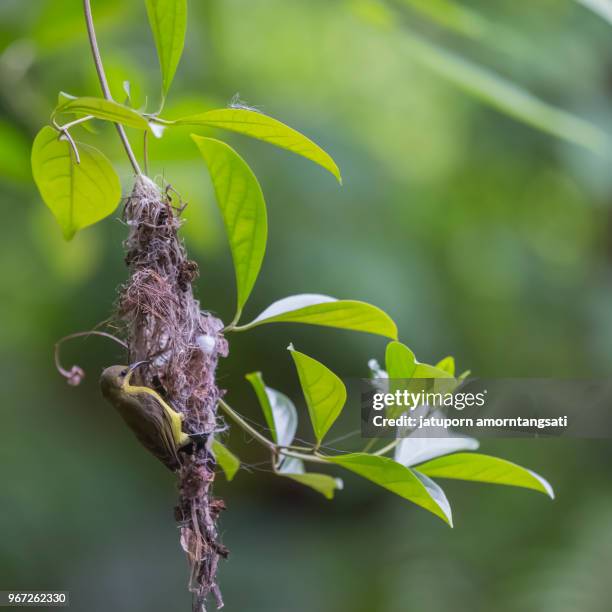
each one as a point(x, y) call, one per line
point(163, 322)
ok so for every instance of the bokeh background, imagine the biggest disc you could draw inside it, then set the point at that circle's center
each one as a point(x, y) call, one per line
point(475, 213)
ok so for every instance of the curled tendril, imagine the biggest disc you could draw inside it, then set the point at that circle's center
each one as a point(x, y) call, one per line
point(75, 374)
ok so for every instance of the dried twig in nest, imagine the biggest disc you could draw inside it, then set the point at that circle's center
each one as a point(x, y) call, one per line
point(163, 319)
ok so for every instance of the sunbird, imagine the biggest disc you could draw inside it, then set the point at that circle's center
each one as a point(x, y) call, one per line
point(154, 422)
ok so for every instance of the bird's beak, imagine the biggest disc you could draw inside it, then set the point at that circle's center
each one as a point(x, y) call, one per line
point(132, 368)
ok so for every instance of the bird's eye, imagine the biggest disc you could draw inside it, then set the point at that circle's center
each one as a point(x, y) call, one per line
point(123, 372)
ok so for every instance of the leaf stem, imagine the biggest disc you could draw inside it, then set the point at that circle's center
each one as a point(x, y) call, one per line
point(292, 447)
point(246, 426)
point(67, 126)
point(369, 445)
point(95, 51)
point(264, 441)
point(311, 458)
point(63, 131)
point(238, 328)
point(234, 323)
point(385, 449)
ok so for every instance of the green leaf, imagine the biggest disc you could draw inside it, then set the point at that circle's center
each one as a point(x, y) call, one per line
point(104, 109)
point(226, 459)
point(315, 309)
point(77, 194)
point(484, 468)
point(406, 373)
point(260, 126)
point(400, 364)
point(324, 392)
point(400, 361)
point(417, 448)
point(424, 370)
point(278, 409)
point(435, 491)
point(447, 365)
point(168, 19)
point(322, 483)
point(242, 205)
point(397, 478)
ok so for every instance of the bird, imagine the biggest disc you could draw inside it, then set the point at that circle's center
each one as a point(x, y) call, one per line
point(155, 423)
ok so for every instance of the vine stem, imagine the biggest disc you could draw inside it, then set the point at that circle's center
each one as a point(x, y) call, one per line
point(275, 448)
point(385, 449)
point(76, 374)
point(95, 51)
point(145, 151)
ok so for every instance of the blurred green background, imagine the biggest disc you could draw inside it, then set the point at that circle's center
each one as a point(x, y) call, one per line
point(481, 233)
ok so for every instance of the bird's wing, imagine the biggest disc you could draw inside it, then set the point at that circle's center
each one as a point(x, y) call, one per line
point(160, 439)
point(175, 418)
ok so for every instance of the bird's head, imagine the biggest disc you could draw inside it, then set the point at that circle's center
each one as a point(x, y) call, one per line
point(116, 377)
